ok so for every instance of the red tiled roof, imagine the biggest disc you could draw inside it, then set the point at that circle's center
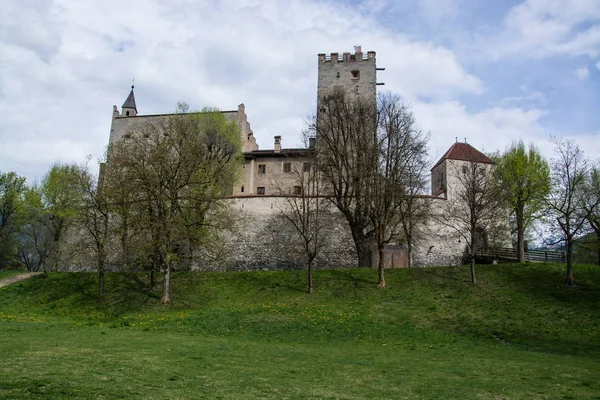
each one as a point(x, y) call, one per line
point(464, 152)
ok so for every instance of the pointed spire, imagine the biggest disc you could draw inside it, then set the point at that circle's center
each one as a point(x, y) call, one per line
point(130, 102)
point(129, 107)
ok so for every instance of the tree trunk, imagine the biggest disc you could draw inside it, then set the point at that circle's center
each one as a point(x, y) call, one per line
point(473, 278)
point(364, 256)
point(310, 277)
point(381, 282)
point(101, 285)
point(520, 235)
point(472, 251)
point(166, 277)
point(409, 249)
point(570, 280)
point(363, 249)
point(598, 247)
point(152, 278)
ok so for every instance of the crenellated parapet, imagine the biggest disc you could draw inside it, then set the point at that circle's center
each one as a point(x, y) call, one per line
point(346, 57)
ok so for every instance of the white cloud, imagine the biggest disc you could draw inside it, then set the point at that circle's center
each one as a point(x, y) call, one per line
point(527, 100)
point(582, 73)
point(489, 130)
point(63, 67)
point(436, 11)
point(542, 28)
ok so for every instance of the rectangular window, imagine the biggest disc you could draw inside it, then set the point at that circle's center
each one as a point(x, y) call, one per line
point(260, 190)
point(287, 167)
point(262, 168)
point(242, 189)
point(306, 167)
point(464, 169)
point(298, 190)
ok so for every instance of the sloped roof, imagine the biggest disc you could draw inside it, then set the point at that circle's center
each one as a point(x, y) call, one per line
point(464, 152)
point(130, 102)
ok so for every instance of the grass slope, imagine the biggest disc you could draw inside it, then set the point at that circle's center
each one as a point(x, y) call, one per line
point(518, 334)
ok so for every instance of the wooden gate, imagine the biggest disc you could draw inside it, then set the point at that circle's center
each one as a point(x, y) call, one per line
point(394, 256)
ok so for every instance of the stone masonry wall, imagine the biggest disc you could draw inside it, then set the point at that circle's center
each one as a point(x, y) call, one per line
point(263, 240)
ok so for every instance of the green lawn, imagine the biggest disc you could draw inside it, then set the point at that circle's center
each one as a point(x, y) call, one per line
point(518, 334)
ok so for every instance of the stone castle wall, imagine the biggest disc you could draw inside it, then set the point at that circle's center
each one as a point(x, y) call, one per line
point(262, 239)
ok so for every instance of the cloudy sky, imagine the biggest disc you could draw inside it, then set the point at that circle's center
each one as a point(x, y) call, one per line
point(488, 71)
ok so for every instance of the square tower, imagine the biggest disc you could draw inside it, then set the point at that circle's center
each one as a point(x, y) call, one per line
point(355, 73)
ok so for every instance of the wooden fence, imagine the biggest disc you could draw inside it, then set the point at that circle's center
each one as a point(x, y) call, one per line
point(510, 254)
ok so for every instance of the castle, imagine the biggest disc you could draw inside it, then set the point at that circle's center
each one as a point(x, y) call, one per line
point(263, 241)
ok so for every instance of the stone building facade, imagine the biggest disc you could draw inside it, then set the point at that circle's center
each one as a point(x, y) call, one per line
point(263, 240)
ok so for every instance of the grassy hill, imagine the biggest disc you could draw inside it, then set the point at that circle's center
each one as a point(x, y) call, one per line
point(518, 334)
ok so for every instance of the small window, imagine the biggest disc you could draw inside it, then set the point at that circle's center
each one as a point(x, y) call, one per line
point(337, 75)
point(262, 169)
point(242, 189)
point(260, 190)
point(306, 167)
point(355, 74)
point(464, 169)
point(127, 113)
point(297, 190)
point(287, 167)
point(482, 171)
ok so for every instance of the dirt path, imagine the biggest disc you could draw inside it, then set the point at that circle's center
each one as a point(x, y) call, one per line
point(17, 278)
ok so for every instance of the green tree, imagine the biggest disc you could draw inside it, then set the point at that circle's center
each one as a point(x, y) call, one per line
point(525, 183)
point(34, 237)
point(62, 199)
point(177, 170)
point(12, 188)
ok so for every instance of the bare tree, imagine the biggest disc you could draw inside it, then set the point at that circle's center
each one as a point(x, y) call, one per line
point(95, 218)
point(177, 168)
point(593, 210)
point(346, 131)
point(398, 176)
point(372, 160)
point(568, 203)
point(302, 208)
point(476, 206)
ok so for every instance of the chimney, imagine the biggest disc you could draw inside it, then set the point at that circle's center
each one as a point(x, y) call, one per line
point(311, 142)
point(277, 144)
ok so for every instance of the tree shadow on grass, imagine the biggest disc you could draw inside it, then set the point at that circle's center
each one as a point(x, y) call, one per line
point(547, 281)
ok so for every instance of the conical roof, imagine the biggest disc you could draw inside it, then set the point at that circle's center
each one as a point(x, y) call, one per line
point(464, 152)
point(130, 102)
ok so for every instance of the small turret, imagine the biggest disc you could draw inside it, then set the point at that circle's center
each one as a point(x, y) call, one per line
point(129, 107)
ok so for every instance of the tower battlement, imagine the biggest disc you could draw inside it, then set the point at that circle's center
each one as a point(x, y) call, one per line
point(346, 57)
